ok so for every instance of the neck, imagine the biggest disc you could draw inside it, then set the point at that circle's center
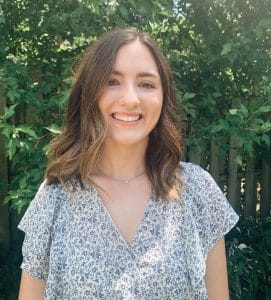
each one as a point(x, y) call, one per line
point(123, 162)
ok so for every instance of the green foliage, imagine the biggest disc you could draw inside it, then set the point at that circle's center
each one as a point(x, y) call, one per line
point(10, 273)
point(227, 66)
point(249, 260)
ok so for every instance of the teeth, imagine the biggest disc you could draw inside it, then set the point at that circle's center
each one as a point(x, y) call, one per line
point(126, 118)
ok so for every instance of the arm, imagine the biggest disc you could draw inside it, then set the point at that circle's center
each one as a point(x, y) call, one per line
point(31, 288)
point(216, 273)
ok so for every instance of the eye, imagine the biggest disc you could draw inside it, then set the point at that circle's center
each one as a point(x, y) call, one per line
point(147, 85)
point(112, 82)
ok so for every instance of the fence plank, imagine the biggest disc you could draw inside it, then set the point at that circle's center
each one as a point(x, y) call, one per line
point(250, 189)
point(196, 157)
point(232, 182)
point(214, 160)
point(265, 201)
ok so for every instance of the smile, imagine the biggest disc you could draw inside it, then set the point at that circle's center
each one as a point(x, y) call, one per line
point(126, 118)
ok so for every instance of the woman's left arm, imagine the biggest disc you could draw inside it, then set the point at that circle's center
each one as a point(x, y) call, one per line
point(216, 277)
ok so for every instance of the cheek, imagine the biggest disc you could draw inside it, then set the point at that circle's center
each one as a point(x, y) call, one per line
point(102, 105)
point(106, 101)
point(155, 113)
point(158, 107)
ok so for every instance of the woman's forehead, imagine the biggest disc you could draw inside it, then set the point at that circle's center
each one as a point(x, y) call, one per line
point(135, 56)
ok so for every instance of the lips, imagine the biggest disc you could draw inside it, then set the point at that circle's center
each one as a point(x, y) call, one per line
point(126, 117)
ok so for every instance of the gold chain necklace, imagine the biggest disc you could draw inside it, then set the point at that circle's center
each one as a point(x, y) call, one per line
point(118, 180)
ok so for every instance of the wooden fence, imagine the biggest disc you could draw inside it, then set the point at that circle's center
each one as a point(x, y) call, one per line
point(248, 188)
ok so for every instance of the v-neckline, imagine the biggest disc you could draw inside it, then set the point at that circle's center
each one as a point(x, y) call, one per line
point(113, 224)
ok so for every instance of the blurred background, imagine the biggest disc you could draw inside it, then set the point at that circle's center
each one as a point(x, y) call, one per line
point(220, 54)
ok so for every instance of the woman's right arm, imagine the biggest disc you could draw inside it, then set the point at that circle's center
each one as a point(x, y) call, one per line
point(31, 288)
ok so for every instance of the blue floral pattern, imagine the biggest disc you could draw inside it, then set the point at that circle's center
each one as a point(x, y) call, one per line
point(73, 244)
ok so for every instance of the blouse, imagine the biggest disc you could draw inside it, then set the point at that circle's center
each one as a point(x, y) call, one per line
point(72, 243)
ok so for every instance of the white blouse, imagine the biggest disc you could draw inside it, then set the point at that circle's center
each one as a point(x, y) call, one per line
point(72, 242)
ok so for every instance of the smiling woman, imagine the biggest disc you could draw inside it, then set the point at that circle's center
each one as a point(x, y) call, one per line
point(77, 151)
point(119, 216)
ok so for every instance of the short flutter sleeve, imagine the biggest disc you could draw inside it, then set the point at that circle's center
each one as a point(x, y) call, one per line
point(213, 215)
point(37, 223)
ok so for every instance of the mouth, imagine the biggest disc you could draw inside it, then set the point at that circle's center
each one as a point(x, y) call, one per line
point(126, 117)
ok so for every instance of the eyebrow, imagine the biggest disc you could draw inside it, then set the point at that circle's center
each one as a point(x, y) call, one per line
point(141, 74)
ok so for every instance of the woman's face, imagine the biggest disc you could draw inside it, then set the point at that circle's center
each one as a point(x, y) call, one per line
point(131, 102)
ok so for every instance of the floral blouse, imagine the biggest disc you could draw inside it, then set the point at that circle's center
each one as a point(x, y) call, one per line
point(72, 242)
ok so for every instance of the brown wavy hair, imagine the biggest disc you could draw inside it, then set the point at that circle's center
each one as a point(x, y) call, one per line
point(75, 152)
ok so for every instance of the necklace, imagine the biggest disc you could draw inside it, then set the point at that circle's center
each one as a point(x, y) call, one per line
point(118, 180)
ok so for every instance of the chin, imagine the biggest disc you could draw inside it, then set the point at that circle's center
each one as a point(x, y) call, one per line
point(129, 141)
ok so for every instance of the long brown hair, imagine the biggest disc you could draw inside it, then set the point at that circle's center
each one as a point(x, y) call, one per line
point(75, 152)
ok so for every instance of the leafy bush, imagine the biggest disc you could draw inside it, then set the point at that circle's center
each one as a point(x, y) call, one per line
point(249, 260)
point(10, 273)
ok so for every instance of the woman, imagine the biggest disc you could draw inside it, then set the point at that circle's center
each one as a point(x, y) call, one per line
point(118, 216)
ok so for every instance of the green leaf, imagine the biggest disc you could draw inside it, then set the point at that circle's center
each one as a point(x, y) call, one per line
point(259, 31)
point(54, 129)
point(238, 160)
point(256, 124)
point(188, 96)
point(266, 126)
point(9, 198)
point(12, 95)
point(9, 112)
point(264, 109)
point(233, 111)
point(132, 3)
point(11, 147)
point(226, 49)
point(265, 22)
point(26, 129)
point(8, 129)
point(123, 11)
point(244, 110)
point(217, 94)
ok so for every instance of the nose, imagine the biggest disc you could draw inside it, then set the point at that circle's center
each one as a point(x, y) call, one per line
point(129, 96)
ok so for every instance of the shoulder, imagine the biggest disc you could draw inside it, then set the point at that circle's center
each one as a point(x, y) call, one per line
point(56, 195)
point(49, 195)
point(58, 191)
point(43, 206)
point(200, 190)
point(195, 176)
point(190, 169)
